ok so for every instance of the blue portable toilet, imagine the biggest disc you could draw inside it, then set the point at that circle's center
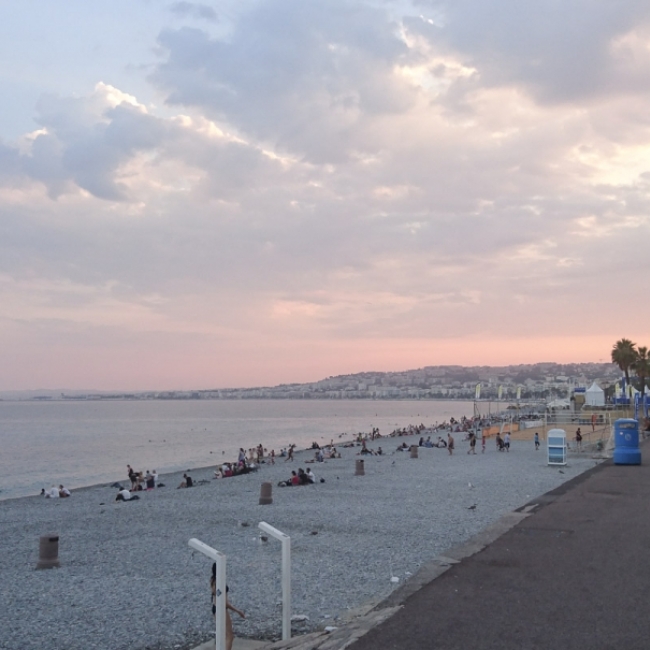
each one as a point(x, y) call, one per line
point(626, 442)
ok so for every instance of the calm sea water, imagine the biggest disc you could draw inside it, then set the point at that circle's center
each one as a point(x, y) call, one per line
point(84, 443)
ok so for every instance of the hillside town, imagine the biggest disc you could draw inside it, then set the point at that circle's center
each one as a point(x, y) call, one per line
point(540, 381)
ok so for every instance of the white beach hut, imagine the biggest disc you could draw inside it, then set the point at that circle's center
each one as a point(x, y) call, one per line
point(595, 395)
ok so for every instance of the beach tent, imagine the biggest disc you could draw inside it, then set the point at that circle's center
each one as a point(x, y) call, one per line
point(595, 395)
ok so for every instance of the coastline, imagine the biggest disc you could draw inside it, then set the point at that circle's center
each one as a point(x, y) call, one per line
point(350, 536)
point(80, 444)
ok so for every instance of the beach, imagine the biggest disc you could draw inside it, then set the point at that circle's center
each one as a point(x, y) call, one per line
point(129, 580)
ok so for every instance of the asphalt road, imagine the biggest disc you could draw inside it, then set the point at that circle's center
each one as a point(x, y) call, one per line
point(575, 575)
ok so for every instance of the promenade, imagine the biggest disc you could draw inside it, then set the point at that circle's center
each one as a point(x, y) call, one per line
point(570, 570)
point(575, 574)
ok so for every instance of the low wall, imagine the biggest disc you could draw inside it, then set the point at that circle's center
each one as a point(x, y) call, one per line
point(508, 427)
point(531, 424)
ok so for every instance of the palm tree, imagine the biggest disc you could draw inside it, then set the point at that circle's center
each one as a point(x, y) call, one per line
point(641, 366)
point(623, 355)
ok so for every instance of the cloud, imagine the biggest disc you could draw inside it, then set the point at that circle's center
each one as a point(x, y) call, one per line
point(195, 10)
point(560, 52)
point(302, 76)
point(335, 174)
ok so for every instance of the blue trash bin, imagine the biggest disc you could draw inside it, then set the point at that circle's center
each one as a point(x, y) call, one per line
point(626, 442)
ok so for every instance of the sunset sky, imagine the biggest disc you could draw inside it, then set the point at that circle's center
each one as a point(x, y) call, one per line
point(243, 193)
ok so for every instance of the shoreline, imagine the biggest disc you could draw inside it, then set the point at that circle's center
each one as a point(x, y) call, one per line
point(522, 434)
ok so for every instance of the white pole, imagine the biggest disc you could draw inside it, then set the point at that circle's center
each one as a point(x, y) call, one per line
point(285, 540)
point(220, 599)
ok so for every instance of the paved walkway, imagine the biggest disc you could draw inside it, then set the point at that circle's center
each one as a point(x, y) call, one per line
point(571, 571)
point(573, 575)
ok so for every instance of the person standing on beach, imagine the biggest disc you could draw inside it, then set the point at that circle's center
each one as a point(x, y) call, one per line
point(472, 443)
point(132, 477)
point(290, 454)
point(536, 441)
point(230, 634)
point(450, 444)
point(483, 442)
point(506, 440)
point(579, 440)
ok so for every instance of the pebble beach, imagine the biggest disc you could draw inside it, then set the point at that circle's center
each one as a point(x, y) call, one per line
point(128, 578)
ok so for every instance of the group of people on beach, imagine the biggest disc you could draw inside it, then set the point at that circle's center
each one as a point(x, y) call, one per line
point(142, 481)
point(302, 477)
point(54, 492)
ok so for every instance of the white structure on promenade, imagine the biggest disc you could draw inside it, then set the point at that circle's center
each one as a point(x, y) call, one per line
point(595, 396)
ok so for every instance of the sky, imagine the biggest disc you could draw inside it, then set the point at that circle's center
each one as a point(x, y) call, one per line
point(247, 193)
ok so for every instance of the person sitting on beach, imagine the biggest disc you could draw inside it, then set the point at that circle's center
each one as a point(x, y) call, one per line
point(294, 480)
point(441, 444)
point(52, 493)
point(380, 451)
point(403, 447)
point(302, 477)
point(364, 449)
point(63, 492)
point(149, 481)
point(218, 473)
point(125, 495)
point(311, 477)
point(318, 456)
point(186, 482)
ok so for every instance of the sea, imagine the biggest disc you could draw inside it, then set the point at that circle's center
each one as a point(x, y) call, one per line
point(82, 443)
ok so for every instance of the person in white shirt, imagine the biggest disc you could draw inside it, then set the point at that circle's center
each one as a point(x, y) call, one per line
point(125, 495)
point(506, 441)
point(311, 477)
point(63, 492)
point(53, 492)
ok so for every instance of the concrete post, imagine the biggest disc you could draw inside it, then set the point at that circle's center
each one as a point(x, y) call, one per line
point(359, 468)
point(48, 552)
point(266, 494)
point(414, 451)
